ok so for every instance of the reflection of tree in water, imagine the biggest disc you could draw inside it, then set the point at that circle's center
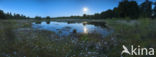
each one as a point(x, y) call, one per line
point(101, 24)
point(70, 22)
point(38, 22)
point(74, 31)
point(48, 22)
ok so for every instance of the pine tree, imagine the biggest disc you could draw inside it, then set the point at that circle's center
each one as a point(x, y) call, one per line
point(133, 9)
point(146, 9)
point(2, 15)
point(128, 9)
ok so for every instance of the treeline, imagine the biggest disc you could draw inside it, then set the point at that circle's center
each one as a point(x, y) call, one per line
point(126, 9)
point(12, 16)
point(19, 16)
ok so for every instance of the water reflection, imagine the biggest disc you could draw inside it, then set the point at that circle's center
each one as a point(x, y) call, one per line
point(38, 22)
point(66, 28)
point(48, 22)
point(101, 24)
point(85, 30)
point(74, 31)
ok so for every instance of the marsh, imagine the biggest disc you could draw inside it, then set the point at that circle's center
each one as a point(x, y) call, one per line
point(33, 38)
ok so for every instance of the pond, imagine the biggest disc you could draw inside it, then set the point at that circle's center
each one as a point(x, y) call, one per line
point(67, 28)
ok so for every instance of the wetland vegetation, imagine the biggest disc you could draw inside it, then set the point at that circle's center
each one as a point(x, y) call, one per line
point(21, 39)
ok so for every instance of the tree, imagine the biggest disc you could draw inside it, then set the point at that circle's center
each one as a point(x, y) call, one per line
point(11, 16)
point(84, 16)
point(48, 17)
point(116, 13)
point(96, 16)
point(38, 17)
point(146, 9)
point(107, 14)
point(8, 15)
point(133, 9)
point(127, 9)
point(2, 15)
point(123, 8)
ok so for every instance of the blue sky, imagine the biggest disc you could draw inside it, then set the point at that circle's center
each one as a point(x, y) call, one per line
point(56, 8)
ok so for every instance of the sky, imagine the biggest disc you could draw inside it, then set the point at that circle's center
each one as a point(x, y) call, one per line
point(58, 8)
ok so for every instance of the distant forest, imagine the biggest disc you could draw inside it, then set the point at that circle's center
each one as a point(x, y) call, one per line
point(126, 9)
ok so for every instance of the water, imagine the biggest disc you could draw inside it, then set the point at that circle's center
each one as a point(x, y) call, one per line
point(67, 28)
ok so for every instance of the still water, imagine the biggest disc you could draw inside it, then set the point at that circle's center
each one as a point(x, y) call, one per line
point(67, 28)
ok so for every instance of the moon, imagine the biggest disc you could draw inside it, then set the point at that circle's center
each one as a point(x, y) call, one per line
point(85, 9)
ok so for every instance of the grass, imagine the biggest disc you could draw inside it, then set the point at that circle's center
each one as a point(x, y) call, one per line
point(143, 33)
point(41, 43)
